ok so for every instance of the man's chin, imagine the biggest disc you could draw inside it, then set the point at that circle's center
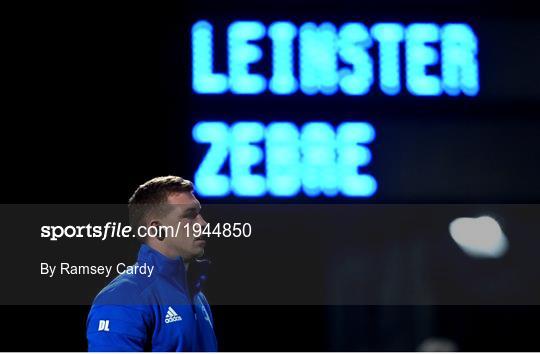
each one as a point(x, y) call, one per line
point(199, 252)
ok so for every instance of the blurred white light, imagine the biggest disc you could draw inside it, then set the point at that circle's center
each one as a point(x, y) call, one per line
point(479, 237)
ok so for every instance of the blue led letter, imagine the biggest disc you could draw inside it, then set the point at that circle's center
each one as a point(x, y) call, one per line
point(204, 79)
point(418, 56)
point(208, 181)
point(354, 41)
point(283, 81)
point(351, 156)
point(318, 159)
point(241, 54)
point(459, 47)
point(244, 155)
point(318, 59)
point(389, 35)
point(283, 171)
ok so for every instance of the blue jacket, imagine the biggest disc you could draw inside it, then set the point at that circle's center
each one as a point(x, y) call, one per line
point(136, 312)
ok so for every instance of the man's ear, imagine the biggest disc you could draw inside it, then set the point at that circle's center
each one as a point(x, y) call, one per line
point(155, 224)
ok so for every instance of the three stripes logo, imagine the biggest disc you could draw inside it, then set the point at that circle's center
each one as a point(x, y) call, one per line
point(172, 316)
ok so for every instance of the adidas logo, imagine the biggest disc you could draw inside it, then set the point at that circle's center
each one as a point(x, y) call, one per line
point(172, 316)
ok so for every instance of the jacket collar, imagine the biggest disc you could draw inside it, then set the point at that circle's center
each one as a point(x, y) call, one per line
point(164, 265)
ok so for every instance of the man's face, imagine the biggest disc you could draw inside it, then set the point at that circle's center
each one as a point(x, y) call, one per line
point(186, 211)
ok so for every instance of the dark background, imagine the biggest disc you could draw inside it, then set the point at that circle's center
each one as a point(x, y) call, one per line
point(102, 102)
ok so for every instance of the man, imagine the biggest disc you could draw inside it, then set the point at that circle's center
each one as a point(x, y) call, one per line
point(165, 311)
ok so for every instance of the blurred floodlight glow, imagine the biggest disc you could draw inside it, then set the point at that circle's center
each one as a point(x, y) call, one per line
point(479, 237)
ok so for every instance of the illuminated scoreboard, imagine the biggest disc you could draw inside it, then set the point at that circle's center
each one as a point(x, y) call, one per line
point(316, 159)
point(335, 59)
point(267, 158)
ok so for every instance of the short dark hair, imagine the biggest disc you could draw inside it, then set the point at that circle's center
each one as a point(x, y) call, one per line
point(149, 195)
